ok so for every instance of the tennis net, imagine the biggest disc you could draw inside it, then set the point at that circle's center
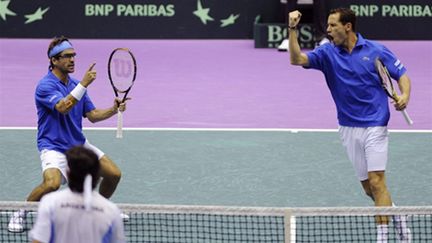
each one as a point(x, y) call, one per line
point(218, 224)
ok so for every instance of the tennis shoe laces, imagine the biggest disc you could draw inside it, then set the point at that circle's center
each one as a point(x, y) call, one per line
point(16, 222)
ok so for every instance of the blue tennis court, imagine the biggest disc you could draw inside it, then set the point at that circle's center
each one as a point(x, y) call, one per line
point(272, 168)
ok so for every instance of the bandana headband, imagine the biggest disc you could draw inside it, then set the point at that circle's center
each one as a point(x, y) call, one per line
point(59, 48)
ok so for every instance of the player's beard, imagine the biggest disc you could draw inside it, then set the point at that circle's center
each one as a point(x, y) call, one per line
point(70, 68)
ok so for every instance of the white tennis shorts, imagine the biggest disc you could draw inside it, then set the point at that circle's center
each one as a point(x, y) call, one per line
point(56, 159)
point(367, 148)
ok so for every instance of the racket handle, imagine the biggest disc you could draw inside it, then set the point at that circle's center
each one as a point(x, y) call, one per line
point(119, 125)
point(406, 116)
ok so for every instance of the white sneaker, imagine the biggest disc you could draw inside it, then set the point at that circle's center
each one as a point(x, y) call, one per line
point(125, 217)
point(284, 45)
point(16, 222)
point(401, 226)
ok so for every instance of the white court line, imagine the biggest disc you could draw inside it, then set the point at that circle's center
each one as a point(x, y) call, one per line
point(293, 130)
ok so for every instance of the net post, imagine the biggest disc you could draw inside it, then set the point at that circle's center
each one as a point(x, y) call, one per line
point(289, 226)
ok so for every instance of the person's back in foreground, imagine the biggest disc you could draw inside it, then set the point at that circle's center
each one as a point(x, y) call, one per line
point(78, 213)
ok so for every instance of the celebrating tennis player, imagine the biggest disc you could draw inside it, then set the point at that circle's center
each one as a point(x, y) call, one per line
point(62, 101)
point(362, 105)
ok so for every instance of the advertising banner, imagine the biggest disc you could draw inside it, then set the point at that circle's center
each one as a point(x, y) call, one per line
point(196, 19)
point(391, 19)
point(145, 19)
point(271, 35)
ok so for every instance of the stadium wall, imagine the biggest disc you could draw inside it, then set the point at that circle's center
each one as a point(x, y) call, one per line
point(196, 19)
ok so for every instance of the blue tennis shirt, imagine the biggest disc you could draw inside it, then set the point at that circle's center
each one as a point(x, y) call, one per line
point(353, 82)
point(57, 131)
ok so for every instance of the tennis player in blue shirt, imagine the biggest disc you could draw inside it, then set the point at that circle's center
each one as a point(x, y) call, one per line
point(362, 105)
point(62, 101)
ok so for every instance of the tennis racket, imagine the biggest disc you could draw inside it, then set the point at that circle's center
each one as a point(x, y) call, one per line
point(122, 73)
point(387, 85)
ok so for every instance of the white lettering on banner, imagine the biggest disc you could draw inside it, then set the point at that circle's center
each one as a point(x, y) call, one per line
point(276, 33)
point(129, 10)
point(365, 10)
point(151, 10)
point(392, 10)
point(98, 9)
point(305, 33)
point(406, 11)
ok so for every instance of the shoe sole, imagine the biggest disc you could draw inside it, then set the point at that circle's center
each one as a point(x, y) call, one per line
point(16, 231)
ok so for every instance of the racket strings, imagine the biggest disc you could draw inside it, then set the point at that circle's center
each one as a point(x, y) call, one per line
point(388, 87)
point(122, 70)
point(122, 73)
point(386, 82)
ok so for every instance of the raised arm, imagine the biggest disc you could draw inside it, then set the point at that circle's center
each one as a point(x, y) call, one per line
point(296, 56)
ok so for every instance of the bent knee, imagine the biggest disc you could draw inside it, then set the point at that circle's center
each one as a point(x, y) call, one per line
point(369, 194)
point(52, 179)
point(51, 185)
point(113, 175)
point(377, 185)
point(117, 174)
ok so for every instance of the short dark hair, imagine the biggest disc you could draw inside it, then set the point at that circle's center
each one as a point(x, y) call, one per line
point(346, 15)
point(54, 42)
point(81, 162)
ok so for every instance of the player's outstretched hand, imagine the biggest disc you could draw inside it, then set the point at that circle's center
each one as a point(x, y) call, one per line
point(89, 76)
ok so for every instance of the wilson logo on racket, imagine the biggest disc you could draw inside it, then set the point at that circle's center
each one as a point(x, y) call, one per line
point(122, 68)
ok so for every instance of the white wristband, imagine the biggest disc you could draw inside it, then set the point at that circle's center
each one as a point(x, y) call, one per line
point(78, 92)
